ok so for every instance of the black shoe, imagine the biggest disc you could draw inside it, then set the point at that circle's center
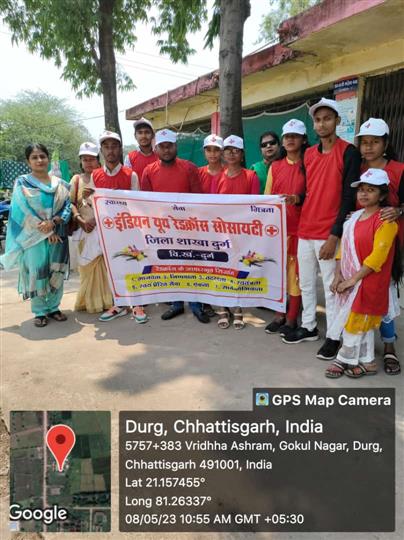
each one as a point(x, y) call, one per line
point(171, 313)
point(329, 349)
point(301, 334)
point(208, 309)
point(202, 316)
point(285, 329)
point(273, 327)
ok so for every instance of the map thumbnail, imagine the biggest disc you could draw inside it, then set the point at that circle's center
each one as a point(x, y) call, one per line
point(83, 487)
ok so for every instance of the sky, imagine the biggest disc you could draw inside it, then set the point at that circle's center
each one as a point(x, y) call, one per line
point(152, 73)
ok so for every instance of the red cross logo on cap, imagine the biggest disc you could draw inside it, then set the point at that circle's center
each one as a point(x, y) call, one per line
point(108, 223)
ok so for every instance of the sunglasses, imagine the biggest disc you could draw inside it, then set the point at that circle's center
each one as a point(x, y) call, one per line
point(268, 143)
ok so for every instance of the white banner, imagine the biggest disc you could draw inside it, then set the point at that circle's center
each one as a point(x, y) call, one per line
point(225, 250)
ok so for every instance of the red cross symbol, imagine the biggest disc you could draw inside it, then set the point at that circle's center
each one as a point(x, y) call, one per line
point(108, 223)
point(271, 230)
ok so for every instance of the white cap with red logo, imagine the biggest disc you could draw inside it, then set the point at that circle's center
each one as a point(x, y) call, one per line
point(294, 126)
point(89, 149)
point(373, 126)
point(324, 102)
point(166, 135)
point(234, 141)
point(213, 140)
point(109, 135)
point(142, 122)
point(375, 177)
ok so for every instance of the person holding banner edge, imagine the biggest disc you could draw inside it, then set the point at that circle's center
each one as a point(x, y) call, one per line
point(286, 176)
point(173, 175)
point(114, 175)
point(235, 180)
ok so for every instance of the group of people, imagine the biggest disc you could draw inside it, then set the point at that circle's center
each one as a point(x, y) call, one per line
point(344, 217)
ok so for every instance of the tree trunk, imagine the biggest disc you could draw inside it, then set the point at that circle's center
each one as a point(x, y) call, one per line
point(233, 14)
point(108, 65)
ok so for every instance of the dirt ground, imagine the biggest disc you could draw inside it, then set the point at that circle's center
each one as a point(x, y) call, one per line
point(174, 365)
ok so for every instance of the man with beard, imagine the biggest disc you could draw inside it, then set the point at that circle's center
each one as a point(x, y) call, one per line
point(171, 174)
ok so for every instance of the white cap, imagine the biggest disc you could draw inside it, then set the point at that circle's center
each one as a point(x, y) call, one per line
point(376, 177)
point(142, 122)
point(324, 102)
point(294, 126)
point(374, 126)
point(213, 140)
point(166, 135)
point(235, 141)
point(89, 149)
point(109, 135)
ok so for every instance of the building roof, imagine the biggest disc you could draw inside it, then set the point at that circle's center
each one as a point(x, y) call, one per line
point(323, 30)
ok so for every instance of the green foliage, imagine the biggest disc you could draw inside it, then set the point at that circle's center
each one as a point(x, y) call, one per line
point(39, 117)
point(177, 18)
point(279, 11)
point(67, 32)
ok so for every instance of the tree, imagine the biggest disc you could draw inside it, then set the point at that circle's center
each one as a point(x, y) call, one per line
point(281, 10)
point(83, 36)
point(40, 117)
point(228, 21)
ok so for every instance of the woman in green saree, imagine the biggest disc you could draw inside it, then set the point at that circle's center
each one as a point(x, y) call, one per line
point(37, 241)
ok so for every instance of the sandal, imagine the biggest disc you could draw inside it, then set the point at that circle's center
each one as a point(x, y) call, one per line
point(335, 370)
point(361, 370)
point(224, 319)
point(391, 364)
point(139, 315)
point(57, 316)
point(112, 313)
point(40, 321)
point(238, 322)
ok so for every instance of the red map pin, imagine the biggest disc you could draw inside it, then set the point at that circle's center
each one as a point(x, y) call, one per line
point(60, 440)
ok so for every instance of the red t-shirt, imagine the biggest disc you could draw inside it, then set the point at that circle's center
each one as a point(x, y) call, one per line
point(246, 182)
point(288, 178)
point(121, 180)
point(179, 177)
point(372, 297)
point(139, 161)
point(324, 186)
point(395, 172)
point(207, 179)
